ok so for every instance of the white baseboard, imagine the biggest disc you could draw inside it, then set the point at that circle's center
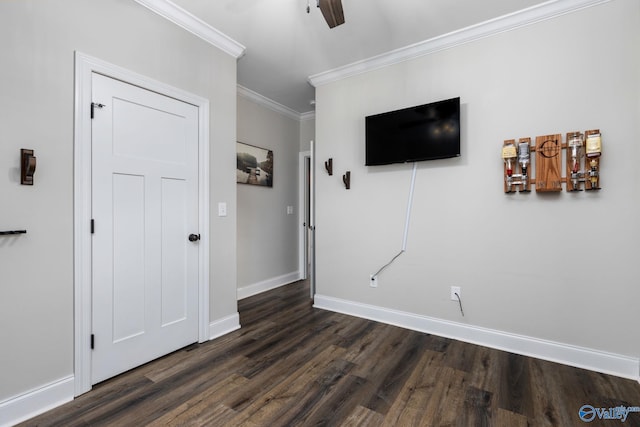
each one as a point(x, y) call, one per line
point(35, 402)
point(267, 285)
point(580, 357)
point(224, 326)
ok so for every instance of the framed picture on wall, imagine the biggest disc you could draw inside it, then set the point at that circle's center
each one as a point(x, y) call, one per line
point(254, 165)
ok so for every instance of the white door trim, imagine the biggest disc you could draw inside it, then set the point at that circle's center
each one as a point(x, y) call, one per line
point(302, 226)
point(303, 232)
point(84, 67)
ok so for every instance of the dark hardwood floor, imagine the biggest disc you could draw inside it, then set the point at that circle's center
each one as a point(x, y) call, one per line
point(293, 365)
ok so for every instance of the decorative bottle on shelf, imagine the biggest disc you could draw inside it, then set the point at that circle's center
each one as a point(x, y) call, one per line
point(576, 145)
point(593, 152)
point(509, 155)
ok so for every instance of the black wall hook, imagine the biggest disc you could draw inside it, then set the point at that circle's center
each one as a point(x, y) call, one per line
point(27, 166)
point(328, 165)
point(346, 178)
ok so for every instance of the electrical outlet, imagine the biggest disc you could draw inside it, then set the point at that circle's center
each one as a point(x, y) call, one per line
point(373, 281)
point(455, 290)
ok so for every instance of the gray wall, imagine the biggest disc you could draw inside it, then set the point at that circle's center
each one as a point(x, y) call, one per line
point(267, 235)
point(560, 267)
point(36, 111)
point(307, 133)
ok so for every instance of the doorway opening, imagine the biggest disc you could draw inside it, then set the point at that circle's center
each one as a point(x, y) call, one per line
point(307, 219)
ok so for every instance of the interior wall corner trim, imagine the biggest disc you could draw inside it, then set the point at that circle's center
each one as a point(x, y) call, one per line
point(224, 326)
point(179, 16)
point(508, 22)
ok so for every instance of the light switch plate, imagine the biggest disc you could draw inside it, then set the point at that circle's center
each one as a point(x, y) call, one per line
point(222, 209)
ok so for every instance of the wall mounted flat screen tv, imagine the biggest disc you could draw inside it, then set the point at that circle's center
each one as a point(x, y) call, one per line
point(424, 132)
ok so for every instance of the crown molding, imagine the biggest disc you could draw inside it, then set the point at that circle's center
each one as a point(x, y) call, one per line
point(512, 21)
point(272, 105)
point(309, 115)
point(194, 25)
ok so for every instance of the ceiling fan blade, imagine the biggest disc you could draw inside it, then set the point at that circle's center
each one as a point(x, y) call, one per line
point(332, 12)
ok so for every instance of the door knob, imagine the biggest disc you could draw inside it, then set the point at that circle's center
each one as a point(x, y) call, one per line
point(194, 237)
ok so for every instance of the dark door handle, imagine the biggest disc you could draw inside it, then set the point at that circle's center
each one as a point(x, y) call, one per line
point(194, 237)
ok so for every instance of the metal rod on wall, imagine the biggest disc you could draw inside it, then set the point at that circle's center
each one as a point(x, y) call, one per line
point(12, 232)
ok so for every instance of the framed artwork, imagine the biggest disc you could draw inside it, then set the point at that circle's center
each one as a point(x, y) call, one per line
point(254, 165)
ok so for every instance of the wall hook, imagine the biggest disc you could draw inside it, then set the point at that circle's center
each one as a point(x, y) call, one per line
point(27, 166)
point(328, 165)
point(346, 178)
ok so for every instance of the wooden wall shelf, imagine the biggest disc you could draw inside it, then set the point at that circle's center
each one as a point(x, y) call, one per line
point(582, 162)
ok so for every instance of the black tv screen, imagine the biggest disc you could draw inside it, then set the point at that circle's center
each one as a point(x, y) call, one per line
point(424, 132)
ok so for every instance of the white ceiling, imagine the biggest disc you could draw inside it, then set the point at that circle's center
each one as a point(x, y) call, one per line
point(285, 45)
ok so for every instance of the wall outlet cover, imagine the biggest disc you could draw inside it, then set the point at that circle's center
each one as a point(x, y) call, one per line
point(373, 281)
point(222, 209)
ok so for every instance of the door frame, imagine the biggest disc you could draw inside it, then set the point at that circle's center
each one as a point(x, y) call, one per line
point(302, 212)
point(303, 243)
point(85, 66)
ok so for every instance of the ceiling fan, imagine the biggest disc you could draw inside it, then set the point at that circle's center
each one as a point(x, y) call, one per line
point(332, 12)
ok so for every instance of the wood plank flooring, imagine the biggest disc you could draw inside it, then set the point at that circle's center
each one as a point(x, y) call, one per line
point(293, 365)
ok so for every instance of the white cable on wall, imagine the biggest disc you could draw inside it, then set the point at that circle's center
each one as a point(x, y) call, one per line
point(409, 205)
point(406, 223)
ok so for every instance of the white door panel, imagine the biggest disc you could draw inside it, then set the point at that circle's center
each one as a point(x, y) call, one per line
point(159, 134)
point(145, 204)
point(174, 291)
point(128, 258)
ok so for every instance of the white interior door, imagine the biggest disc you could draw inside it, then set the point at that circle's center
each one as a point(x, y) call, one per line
point(145, 206)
